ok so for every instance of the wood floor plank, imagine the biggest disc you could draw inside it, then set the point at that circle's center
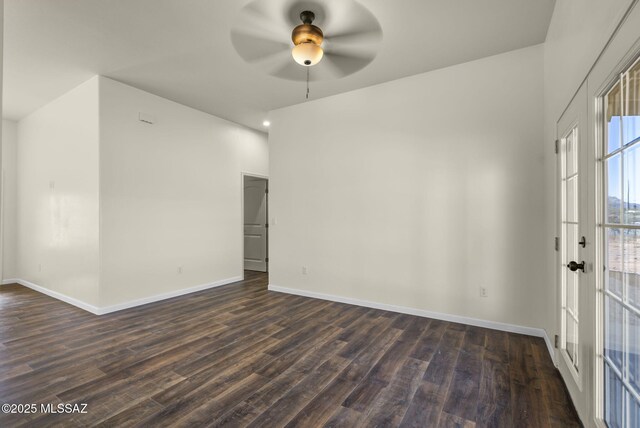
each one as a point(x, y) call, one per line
point(128, 417)
point(284, 381)
point(343, 418)
point(426, 347)
point(462, 398)
point(293, 401)
point(238, 416)
point(435, 383)
point(218, 405)
point(240, 355)
point(392, 404)
point(527, 398)
point(494, 396)
point(320, 408)
point(384, 370)
point(426, 406)
point(448, 420)
point(561, 409)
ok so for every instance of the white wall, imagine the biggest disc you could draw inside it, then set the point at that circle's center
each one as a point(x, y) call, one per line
point(417, 192)
point(170, 194)
point(108, 208)
point(57, 203)
point(578, 32)
point(9, 201)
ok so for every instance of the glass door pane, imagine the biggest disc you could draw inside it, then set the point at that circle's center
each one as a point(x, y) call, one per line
point(570, 237)
point(622, 252)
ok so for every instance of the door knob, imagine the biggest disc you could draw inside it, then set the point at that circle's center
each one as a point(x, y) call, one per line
point(573, 266)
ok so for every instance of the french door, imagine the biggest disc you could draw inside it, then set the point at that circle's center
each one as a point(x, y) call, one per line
point(576, 293)
point(621, 282)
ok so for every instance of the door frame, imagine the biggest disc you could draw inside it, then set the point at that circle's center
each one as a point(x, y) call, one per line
point(242, 176)
point(622, 50)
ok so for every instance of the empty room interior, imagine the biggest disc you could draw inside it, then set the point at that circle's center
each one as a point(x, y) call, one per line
point(323, 213)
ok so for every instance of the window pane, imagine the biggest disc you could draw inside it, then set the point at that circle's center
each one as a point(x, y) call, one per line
point(572, 339)
point(612, 106)
point(632, 266)
point(571, 295)
point(572, 152)
point(614, 189)
point(613, 331)
point(631, 105)
point(613, 281)
point(613, 399)
point(634, 351)
point(572, 202)
point(631, 181)
point(572, 242)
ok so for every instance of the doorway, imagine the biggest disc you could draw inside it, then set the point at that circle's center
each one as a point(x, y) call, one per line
point(255, 224)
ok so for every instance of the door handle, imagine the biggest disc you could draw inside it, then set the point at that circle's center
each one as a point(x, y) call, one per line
point(573, 266)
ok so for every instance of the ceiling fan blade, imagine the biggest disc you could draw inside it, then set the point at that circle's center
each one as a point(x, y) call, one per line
point(274, 62)
point(362, 36)
point(343, 64)
point(352, 23)
point(262, 21)
point(360, 50)
point(333, 65)
point(256, 48)
point(290, 70)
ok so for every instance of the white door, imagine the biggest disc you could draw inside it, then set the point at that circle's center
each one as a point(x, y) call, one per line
point(576, 292)
point(255, 224)
point(621, 238)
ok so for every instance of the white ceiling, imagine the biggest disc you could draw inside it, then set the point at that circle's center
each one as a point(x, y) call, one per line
point(182, 50)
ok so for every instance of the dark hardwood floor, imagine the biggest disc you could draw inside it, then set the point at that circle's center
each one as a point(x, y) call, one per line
point(240, 355)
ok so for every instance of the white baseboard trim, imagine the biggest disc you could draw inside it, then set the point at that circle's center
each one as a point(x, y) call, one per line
point(164, 296)
point(120, 306)
point(550, 348)
point(494, 325)
point(70, 300)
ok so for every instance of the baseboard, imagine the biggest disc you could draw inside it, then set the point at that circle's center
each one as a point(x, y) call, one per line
point(164, 296)
point(494, 325)
point(70, 300)
point(120, 306)
point(551, 348)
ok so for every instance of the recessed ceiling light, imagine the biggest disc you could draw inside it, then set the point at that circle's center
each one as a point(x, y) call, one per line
point(266, 123)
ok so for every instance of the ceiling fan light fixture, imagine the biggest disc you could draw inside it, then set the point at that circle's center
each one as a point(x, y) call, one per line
point(307, 39)
point(307, 54)
point(260, 37)
point(304, 33)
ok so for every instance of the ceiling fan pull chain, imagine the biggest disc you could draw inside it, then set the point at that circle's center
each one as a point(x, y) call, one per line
point(307, 82)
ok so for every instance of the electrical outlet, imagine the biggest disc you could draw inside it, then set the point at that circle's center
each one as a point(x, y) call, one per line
point(484, 292)
point(305, 270)
point(179, 269)
point(39, 267)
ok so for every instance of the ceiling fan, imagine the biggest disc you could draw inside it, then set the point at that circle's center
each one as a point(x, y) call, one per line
point(284, 38)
